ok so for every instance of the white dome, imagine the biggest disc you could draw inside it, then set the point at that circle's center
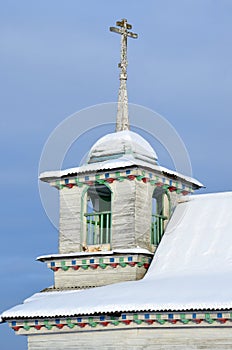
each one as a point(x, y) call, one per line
point(119, 144)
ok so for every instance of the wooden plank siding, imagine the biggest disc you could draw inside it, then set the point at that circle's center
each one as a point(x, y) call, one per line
point(136, 339)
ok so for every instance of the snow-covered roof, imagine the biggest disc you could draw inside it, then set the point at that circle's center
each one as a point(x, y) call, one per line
point(122, 143)
point(191, 269)
point(116, 151)
point(137, 250)
point(122, 162)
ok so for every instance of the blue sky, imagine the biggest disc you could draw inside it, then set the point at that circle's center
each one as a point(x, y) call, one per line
point(57, 57)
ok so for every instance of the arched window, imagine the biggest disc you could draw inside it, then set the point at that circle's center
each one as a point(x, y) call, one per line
point(96, 233)
point(160, 214)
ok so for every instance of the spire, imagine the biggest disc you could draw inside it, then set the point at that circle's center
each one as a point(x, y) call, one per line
point(122, 122)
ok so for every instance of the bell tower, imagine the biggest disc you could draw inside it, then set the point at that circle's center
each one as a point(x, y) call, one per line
point(114, 208)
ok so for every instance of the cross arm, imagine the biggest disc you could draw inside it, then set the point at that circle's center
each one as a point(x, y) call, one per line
point(116, 30)
point(132, 35)
point(122, 23)
point(120, 31)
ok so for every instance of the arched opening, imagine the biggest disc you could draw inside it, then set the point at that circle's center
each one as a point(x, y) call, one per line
point(160, 214)
point(97, 218)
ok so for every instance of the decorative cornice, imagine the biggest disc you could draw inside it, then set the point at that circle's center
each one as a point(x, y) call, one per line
point(131, 175)
point(131, 320)
point(102, 263)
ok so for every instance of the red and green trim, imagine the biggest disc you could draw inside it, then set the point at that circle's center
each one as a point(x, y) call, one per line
point(147, 319)
point(100, 263)
point(131, 175)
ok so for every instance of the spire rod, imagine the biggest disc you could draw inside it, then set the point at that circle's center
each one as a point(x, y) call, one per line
point(122, 122)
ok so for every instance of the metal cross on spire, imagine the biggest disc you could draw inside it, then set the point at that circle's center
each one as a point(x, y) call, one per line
point(122, 122)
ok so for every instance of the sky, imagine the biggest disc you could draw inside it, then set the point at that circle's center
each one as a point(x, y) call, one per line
point(58, 57)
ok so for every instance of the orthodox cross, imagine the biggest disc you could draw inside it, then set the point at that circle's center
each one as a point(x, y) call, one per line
point(122, 122)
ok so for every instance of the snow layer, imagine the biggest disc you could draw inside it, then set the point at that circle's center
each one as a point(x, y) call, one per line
point(120, 163)
point(191, 269)
point(137, 250)
point(123, 142)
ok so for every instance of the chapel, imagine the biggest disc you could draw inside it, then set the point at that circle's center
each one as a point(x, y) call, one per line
point(142, 261)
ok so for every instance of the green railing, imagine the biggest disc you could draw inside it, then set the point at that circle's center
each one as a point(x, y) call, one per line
point(98, 228)
point(157, 228)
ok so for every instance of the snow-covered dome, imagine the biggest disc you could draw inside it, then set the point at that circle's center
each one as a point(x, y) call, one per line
point(121, 144)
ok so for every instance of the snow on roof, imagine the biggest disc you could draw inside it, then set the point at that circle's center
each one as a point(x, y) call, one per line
point(120, 163)
point(122, 142)
point(191, 269)
point(137, 250)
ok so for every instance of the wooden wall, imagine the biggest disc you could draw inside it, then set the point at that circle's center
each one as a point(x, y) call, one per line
point(136, 339)
point(131, 215)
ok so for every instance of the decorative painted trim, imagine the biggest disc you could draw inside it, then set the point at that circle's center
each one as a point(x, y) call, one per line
point(102, 263)
point(134, 320)
point(131, 175)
